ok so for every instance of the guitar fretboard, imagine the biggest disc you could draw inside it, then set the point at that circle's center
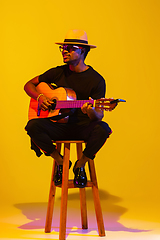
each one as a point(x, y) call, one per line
point(72, 103)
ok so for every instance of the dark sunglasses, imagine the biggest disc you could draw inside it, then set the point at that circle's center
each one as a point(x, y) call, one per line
point(69, 48)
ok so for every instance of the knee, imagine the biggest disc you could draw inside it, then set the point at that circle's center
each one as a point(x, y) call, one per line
point(104, 130)
point(31, 126)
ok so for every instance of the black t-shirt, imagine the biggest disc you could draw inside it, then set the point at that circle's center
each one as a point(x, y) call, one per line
point(85, 84)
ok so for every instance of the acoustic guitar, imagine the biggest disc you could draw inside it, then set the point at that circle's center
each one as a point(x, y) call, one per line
point(65, 98)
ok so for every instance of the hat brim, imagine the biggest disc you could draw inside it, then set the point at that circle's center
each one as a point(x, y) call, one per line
point(76, 43)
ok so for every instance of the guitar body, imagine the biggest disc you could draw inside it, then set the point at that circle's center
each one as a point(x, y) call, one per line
point(58, 94)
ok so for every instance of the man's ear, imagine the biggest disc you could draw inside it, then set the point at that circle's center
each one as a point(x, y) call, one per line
point(82, 50)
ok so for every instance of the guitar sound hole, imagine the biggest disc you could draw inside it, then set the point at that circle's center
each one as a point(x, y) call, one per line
point(53, 105)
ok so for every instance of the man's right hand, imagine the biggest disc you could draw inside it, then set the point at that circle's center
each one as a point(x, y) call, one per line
point(44, 103)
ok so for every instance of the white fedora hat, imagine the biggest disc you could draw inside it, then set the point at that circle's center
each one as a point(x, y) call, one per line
point(76, 36)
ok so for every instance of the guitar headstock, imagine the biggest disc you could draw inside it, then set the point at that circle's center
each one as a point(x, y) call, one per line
point(107, 104)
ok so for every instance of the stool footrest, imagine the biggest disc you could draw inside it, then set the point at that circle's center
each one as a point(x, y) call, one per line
point(71, 184)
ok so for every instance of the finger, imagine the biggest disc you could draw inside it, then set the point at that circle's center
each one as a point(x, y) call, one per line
point(90, 98)
point(89, 106)
point(43, 108)
point(50, 102)
point(85, 105)
point(45, 105)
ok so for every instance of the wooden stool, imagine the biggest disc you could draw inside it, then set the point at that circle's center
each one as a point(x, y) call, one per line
point(69, 184)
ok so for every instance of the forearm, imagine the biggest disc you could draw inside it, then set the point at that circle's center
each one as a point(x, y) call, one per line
point(95, 114)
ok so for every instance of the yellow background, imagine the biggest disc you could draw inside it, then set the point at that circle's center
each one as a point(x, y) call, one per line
point(127, 37)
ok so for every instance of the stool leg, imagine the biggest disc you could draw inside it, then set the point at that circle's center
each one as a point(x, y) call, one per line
point(96, 198)
point(82, 194)
point(50, 202)
point(51, 197)
point(83, 208)
point(64, 195)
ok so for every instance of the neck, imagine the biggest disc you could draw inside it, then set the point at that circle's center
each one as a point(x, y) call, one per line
point(80, 67)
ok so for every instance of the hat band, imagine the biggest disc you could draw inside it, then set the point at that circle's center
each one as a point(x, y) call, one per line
point(76, 40)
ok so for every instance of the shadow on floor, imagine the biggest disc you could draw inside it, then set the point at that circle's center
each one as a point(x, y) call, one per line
point(36, 214)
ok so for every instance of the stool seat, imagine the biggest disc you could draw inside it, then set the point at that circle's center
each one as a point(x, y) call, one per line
point(66, 184)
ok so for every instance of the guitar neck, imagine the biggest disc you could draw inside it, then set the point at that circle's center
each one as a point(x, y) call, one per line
point(72, 103)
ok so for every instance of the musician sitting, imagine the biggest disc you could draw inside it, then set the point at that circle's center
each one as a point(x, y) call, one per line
point(84, 123)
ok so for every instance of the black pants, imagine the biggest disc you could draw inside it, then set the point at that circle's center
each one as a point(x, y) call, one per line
point(42, 131)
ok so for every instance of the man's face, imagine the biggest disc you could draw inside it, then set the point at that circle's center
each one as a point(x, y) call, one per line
point(71, 53)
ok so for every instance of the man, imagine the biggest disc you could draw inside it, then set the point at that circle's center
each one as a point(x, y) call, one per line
point(84, 123)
